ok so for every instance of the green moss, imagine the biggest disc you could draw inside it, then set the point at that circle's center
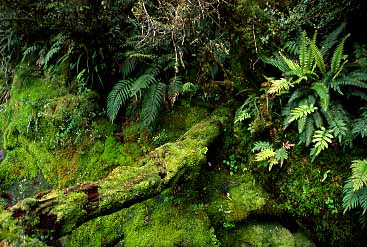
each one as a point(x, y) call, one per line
point(167, 224)
point(233, 198)
point(12, 234)
point(260, 235)
point(301, 240)
point(179, 120)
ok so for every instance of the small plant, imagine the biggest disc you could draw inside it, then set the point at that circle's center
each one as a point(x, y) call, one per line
point(228, 225)
point(231, 163)
point(266, 153)
point(160, 139)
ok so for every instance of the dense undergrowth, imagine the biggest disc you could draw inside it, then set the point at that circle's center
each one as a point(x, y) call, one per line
point(91, 87)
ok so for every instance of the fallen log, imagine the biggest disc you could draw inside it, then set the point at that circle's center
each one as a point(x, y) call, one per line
point(55, 213)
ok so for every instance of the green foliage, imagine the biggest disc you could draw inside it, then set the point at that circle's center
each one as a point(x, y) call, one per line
point(321, 140)
point(269, 155)
point(355, 189)
point(232, 164)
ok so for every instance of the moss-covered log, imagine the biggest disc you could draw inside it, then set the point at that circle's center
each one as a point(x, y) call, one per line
point(58, 212)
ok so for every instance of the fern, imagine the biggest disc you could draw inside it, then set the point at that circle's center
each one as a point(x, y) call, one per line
point(339, 128)
point(359, 174)
point(281, 154)
point(355, 190)
point(335, 66)
point(321, 138)
point(331, 39)
point(318, 56)
point(260, 145)
point(360, 124)
point(152, 104)
point(30, 51)
point(142, 82)
point(56, 47)
point(323, 92)
point(278, 86)
point(248, 109)
point(301, 111)
point(119, 95)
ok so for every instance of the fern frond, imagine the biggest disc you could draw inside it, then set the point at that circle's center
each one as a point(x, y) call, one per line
point(152, 104)
point(265, 154)
point(301, 111)
point(323, 92)
point(339, 128)
point(128, 67)
point(318, 56)
point(119, 95)
point(248, 109)
point(359, 174)
point(337, 57)
point(360, 126)
point(351, 197)
point(309, 131)
point(355, 79)
point(30, 51)
point(321, 138)
point(58, 44)
point(279, 86)
point(142, 82)
point(277, 62)
point(331, 39)
point(305, 53)
point(281, 154)
point(260, 145)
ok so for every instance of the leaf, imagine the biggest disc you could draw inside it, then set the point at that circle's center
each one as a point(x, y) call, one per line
point(359, 174)
point(301, 111)
point(279, 86)
point(323, 92)
point(260, 145)
point(264, 154)
point(281, 154)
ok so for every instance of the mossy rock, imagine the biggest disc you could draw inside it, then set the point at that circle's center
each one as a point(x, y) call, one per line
point(48, 129)
point(260, 235)
point(158, 222)
point(234, 198)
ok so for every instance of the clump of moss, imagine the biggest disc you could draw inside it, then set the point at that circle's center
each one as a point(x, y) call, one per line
point(260, 235)
point(155, 222)
point(234, 198)
point(11, 234)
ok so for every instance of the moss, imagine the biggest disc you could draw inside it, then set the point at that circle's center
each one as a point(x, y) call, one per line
point(179, 120)
point(301, 240)
point(167, 224)
point(260, 235)
point(234, 198)
point(12, 234)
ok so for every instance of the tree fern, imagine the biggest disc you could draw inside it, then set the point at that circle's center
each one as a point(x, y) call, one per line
point(152, 104)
